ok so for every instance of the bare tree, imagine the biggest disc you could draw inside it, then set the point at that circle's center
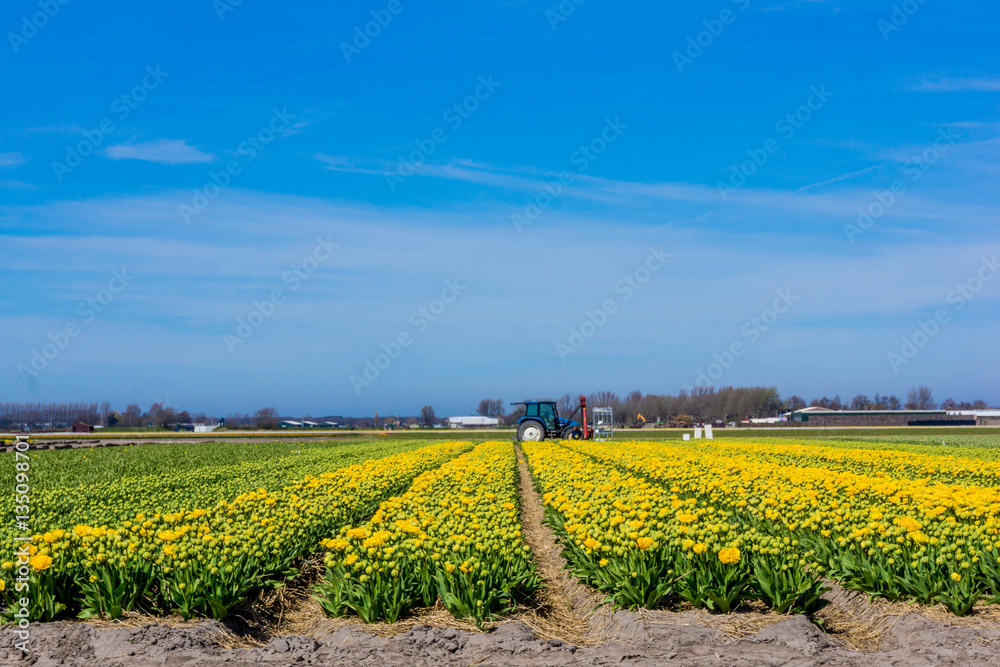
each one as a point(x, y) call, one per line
point(133, 413)
point(162, 416)
point(860, 402)
point(427, 417)
point(603, 399)
point(795, 403)
point(491, 407)
point(920, 398)
point(566, 405)
point(511, 419)
point(266, 418)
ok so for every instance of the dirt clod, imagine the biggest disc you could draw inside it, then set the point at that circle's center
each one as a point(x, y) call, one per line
point(913, 640)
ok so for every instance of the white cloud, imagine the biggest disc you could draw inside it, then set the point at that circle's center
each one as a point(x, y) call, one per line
point(962, 85)
point(190, 289)
point(11, 159)
point(689, 201)
point(837, 179)
point(163, 151)
point(352, 165)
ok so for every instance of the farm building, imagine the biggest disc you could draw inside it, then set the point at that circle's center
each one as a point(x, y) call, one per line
point(473, 422)
point(80, 427)
point(290, 423)
point(765, 420)
point(825, 417)
point(198, 428)
point(982, 417)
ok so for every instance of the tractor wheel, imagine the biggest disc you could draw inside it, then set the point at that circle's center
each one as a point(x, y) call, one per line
point(571, 433)
point(530, 430)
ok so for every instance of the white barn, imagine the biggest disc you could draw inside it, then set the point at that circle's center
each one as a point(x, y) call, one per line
point(473, 422)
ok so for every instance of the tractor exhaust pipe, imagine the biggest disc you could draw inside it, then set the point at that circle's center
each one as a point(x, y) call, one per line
point(583, 416)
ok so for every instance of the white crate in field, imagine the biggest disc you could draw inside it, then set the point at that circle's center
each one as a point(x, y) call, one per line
point(602, 423)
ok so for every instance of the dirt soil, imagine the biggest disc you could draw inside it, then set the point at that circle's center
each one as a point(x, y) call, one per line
point(564, 626)
point(912, 640)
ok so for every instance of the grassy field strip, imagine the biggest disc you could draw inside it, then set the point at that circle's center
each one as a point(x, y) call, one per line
point(102, 492)
point(941, 465)
point(63, 468)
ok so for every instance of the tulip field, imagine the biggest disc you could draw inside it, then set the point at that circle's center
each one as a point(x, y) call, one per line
point(454, 533)
point(203, 551)
point(712, 523)
point(402, 525)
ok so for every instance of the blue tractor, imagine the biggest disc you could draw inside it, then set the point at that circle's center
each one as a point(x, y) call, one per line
point(541, 420)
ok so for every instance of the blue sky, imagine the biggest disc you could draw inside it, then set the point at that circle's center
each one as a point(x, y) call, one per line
point(534, 198)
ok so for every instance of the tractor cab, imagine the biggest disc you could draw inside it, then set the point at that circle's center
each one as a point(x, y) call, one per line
point(546, 413)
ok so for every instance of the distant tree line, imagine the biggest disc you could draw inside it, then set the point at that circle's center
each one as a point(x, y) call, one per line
point(491, 407)
point(918, 398)
point(42, 416)
point(734, 404)
point(701, 404)
point(47, 415)
point(270, 418)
